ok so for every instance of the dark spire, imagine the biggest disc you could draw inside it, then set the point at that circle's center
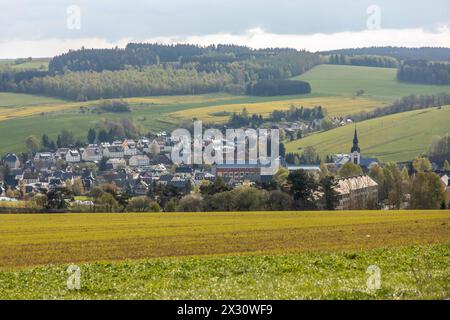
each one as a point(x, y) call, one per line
point(355, 142)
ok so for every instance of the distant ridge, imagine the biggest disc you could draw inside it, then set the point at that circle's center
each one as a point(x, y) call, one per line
point(401, 53)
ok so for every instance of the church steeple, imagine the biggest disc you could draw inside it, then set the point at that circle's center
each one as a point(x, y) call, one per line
point(355, 147)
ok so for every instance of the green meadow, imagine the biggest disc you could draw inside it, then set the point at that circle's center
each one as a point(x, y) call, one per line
point(17, 100)
point(377, 83)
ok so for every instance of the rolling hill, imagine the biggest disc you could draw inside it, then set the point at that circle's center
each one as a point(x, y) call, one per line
point(398, 137)
point(333, 87)
point(335, 106)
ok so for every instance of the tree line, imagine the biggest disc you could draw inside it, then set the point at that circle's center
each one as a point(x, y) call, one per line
point(421, 71)
point(404, 104)
point(298, 114)
point(400, 53)
point(416, 186)
point(364, 60)
point(83, 86)
point(440, 150)
point(278, 88)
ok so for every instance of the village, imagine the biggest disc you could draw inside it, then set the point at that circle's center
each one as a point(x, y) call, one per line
point(129, 169)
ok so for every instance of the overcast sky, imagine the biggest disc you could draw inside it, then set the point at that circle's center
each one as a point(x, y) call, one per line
point(42, 28)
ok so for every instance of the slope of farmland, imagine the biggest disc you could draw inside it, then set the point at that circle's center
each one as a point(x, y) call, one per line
point(335, 105)
point(398, 137)
point(22, 115)
point(14, 100)
point(378, 83)
point(29, 240)
point(35, 64)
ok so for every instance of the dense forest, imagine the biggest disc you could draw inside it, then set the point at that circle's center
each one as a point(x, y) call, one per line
point(11, 78)
point(154, 80)
point(278, 88)
point(152, 69)
point(421, 71)
point(401, 53)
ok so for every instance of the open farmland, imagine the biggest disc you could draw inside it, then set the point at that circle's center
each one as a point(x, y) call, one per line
point(17, 100)
point(258, 255)
point(35, 64)
point(378, 83)
point(22, 115)
point(398, 137)
point(335, 106)
point(333, 88)
point(29, 240)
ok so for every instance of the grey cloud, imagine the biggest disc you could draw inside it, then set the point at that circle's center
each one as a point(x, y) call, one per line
point(139, 19)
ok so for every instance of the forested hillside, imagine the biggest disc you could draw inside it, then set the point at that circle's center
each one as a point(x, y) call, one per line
point(420, 71)
point(149, 81)
point(152, 69)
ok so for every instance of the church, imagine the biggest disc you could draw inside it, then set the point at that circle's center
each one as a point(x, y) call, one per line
point(355, 156)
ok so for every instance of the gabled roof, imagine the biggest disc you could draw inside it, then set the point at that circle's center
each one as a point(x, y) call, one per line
point(166, 178)
point(10, 157)
point(184, 169)
point(115, 149)
point(346, 185)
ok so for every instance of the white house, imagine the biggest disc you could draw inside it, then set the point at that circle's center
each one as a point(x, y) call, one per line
point(139, 161)
point(73, 156)
point(61, 153)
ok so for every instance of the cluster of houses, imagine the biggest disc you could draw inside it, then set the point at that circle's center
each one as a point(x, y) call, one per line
point(131, 165)
point(136, 165)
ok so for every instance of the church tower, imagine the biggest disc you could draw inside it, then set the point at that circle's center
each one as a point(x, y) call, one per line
point(355, 153)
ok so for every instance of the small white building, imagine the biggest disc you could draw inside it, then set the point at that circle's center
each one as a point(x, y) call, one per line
point(73, 156)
